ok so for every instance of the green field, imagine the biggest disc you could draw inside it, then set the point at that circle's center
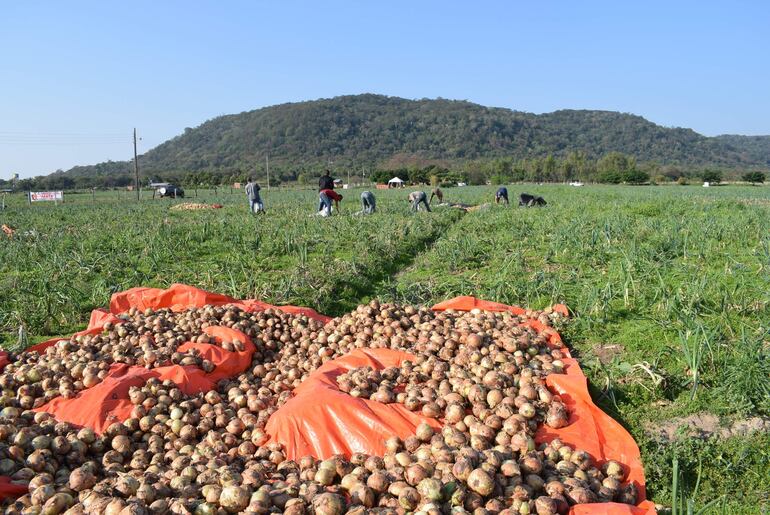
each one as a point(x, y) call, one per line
point(669, 289)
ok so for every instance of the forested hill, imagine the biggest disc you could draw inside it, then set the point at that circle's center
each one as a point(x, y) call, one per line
point(753, 148)
point(372, 129)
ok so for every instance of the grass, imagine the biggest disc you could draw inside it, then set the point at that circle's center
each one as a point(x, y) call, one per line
point(676, 279)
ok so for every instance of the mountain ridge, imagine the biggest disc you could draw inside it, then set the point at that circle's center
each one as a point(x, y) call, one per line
point(370, 129)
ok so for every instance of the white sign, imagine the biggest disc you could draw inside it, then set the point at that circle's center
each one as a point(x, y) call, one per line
point(42, 196)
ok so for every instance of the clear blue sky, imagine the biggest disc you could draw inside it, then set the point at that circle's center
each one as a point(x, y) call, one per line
point(76, 76)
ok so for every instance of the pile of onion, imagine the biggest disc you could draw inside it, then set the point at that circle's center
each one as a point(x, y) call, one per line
point(480, 374)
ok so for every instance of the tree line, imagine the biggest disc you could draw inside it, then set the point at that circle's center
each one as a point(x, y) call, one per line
point(612, 168)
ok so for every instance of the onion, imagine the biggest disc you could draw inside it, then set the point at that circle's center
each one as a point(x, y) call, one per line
point(362, 494)
point(614, 470)
point(234, 498)
point(408, 498)
point(480, 482)
point(328, 504)
point(429, 489)
point(81, 479)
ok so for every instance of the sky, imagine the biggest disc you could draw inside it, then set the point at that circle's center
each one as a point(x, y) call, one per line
point(76, 77)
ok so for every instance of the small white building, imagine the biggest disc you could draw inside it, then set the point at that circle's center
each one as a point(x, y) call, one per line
point(395, 182)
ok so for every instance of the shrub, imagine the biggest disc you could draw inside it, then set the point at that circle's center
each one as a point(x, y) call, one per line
point(712, 176)
point(682, 181)
point(754, 177)
point(636, 177)
point(610, 177)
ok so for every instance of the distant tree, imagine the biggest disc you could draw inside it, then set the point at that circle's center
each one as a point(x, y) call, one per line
point(682, 181)
point(616, 162)
point(477, 177)
point(610, 177)
point(418, 176)
point(712, 176)
point(498, 179)
point(754, 177)
point(549, 168)
point(382, 176)
point(636, 177)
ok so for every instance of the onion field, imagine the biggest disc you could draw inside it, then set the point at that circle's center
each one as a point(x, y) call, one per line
point(668, 289)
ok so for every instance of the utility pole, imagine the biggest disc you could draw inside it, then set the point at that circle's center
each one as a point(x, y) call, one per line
point(136, 168)
point(267, 169)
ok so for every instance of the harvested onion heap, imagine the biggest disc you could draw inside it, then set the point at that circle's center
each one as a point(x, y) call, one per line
point(480, 374)
point(149, 339)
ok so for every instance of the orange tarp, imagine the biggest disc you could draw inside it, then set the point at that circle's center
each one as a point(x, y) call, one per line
point(320, 419)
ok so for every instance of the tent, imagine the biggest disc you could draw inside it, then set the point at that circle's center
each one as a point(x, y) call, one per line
point(395, 182)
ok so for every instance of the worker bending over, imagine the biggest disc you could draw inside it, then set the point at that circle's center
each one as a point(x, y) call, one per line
point(438, 194)
point(325, 199)
point(417, 198)
point(501, 195)
point(368, 203)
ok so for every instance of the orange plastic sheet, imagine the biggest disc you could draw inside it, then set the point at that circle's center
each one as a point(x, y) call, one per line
point(320, 419)
point(10, 489)
point(107, 402)
point(589, 427)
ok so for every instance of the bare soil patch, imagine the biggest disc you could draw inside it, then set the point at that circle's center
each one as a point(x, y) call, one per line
point(705, 425)
point(607, 352)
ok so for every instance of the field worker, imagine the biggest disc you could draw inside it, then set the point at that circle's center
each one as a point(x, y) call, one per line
point(417, 198)
point(368, 204)
point(326, 197)
point(501, 195)
point(527, 200)
point(252, 193)
point(438, 194)
point(326, 182)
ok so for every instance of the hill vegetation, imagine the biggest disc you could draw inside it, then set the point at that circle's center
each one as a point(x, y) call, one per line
point(369, 132)
point(752, 148)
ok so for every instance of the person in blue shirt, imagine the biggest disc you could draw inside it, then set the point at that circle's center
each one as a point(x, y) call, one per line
point(501, 195)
